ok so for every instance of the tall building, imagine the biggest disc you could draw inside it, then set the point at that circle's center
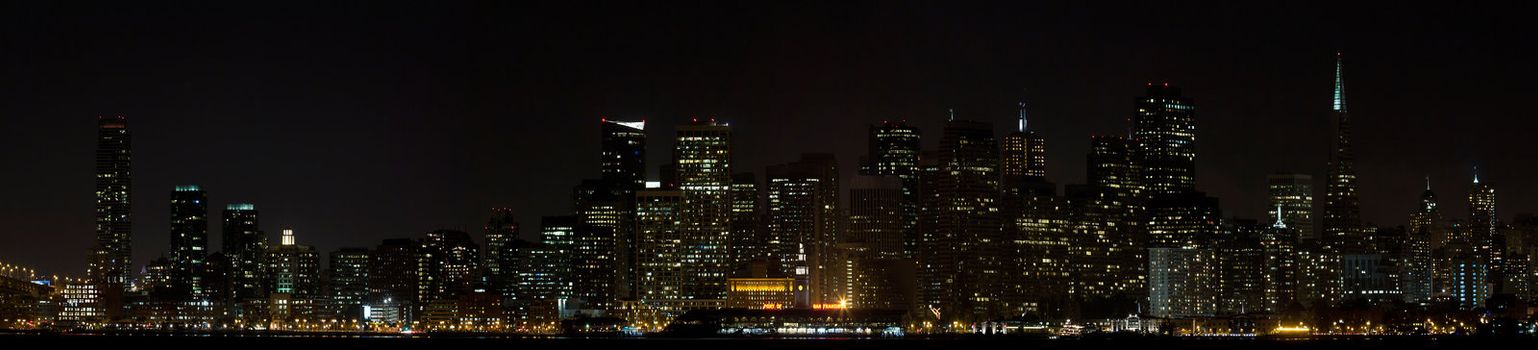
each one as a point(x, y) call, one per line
point(245, 245)
point(392, 280)
point(1428, 234)
point(449, 265)
point(1292, 195)
point(1342, 212)
point(1280, 244)
point(111, 264)
point(961, 270)
point(1242, 269)
point(703, 154)
point(803, 209)
point(501, 231)
point(1484, 229)
point(189, 238)
point(1024, 154)
point(748, 241)
point(348, 282)
point(1183, 273)
point(894, 151)
point(878, 274)
point(624, 152)
point(659, 243)
point(295, 268)
point(1116, 210)
point(1164, 130)
point(605, 210)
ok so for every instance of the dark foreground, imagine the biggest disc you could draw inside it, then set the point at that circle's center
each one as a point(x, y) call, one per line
point(289, 342)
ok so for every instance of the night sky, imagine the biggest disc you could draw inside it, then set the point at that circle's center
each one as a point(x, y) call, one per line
point(353, 122)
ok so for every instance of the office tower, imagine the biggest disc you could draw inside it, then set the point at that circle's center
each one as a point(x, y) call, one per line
point(1037, 256)
point(1342, 212)
point(963, 244)
point(449, 265)
point(880, 275)
point(1293, 195)
point(876, 215)
point(1280, 244)
point(111, 264)
point(605, 212)
point(894, 151)
point(1024, 154)
point(245, 245)
point(1113, 168)
point(348, 281)
point(501, 230)
point(295, 268)
point(702, 153)
point(1113, 207)
point(803, 209)
point(393, 280)
point(1241, 261)
point(624, 152)
point(1164, 131)
point(1182, 270)
point(189, 239)
point(659, 237)
point(1427, 234)
point(748, 243)
point(1484, 230)
point(592, 255)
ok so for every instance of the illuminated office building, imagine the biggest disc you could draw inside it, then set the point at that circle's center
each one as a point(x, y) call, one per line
point(189, 239)
point(1293, 195)
point(449, 265)
point(1024, 154)
point(295, 268)
point(392, 279)
point(659, 241)
point(894, 151)
point(702, 154)
point(963, 244)
point(623, 152)
point(348, 282)
point(245, 245)
point(748, 241)
point(111, 263)
point(1164, 131)
point(501, 231)
point(803, 216)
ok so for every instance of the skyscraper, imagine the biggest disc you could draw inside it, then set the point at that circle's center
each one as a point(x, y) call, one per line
point(189, 238)
point(1025, 154)
point(703, 154)
point(393, 280)
point(894, 151)
point(112, 257)
point(348, 282)
point(624, 152)
point(448, 267)
point(295, 268)
point(1164, 130)
point(245, 245)
point(501, 230)
point(1428, 234)
point(961, 269)
point(802, 210)
point(1484, 229)
point(748, 241)
point(1342, 212)
point(1292, 196)
point(659, 238)
point(606, 234)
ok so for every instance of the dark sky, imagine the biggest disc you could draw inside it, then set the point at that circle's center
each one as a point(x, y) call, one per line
point(353, 122)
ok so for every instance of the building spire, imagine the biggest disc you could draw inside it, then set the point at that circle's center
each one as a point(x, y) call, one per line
point(1340, 86)
point(951, 113)
point(1279, 223)
point(1022, 116)
point(1476, 174)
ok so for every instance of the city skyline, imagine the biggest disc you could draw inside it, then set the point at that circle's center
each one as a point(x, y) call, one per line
point(238, 170)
